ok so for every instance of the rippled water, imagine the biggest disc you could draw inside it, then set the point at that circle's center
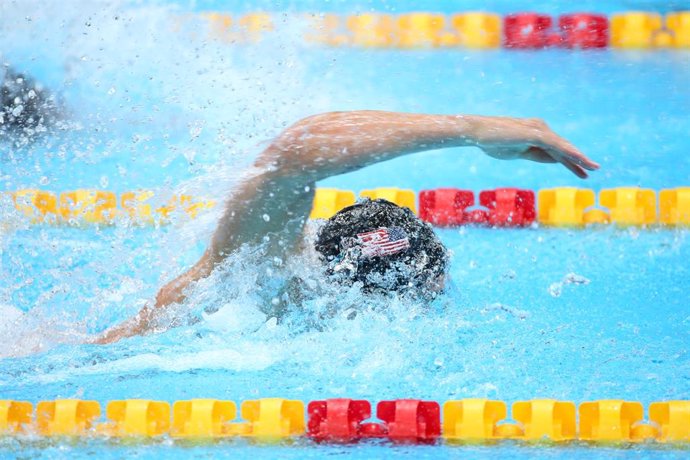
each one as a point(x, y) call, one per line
point(575, 315)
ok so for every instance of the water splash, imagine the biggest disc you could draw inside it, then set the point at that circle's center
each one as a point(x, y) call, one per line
point(152, 100)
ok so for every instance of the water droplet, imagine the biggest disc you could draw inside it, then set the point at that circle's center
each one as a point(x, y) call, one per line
point(195, 131)
point(555, 289)
point(266, 217)
point(574, 278)
point(111, 91)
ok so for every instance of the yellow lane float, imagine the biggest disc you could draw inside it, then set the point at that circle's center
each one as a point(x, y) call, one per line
point(679, 25)
point(401, 197)
point(477, 30)
point(66, 417)
point(137, 417)
point(564, 206)
point(15, 416)
point(630, 205)
point(328, 201)
point(674, 206)
point(202, 418)
point(634, 29)
point(420, 30)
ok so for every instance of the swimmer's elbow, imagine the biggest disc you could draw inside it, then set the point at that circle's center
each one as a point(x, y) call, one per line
point(303, 132)
point(301, 139)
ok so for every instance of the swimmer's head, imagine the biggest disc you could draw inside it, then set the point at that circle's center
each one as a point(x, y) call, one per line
point(385, 247)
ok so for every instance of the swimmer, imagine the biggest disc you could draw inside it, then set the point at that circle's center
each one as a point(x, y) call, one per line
point(376, 243)
point(26, 109)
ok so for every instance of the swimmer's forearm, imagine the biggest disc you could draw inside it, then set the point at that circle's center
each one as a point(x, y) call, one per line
point(333, 143)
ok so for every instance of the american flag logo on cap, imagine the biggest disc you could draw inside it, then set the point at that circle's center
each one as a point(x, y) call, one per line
point(383, 241)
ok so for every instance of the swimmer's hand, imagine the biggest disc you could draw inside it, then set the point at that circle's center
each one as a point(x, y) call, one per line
point(529, 139)
point(137, 325)
point(149, 318)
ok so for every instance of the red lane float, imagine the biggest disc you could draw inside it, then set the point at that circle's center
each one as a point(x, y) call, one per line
point(527, 31)
point(444, 207)
point(584, 30)
point(403, 420)
point(337, 419)
point(411, 420)
point(509, 207)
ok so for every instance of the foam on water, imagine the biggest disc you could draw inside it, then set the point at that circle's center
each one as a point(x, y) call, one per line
point(151, 100)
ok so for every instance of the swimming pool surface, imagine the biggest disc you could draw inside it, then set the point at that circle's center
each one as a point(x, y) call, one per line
point(573, 315)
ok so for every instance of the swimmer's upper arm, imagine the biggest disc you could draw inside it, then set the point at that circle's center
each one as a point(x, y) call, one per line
point(264, 205)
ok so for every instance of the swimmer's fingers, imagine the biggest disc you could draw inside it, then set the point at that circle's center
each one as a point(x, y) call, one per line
point(563, 151)
point(569, 162)
point(541, 155)
point(574, 168)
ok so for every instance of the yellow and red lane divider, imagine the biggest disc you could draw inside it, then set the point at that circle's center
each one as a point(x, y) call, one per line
point(443, 207)
point(511, 207)
point(347, 420)
point(474, 29)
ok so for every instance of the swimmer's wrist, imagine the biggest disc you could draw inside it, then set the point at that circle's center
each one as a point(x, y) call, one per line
point(475, 128)
point(490, 130)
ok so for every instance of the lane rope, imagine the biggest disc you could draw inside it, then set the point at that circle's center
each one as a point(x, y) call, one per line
point(478, 30)
point(345, 420)
point(444, 207)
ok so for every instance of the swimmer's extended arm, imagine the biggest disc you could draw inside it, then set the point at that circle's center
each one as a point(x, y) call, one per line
point(335, 143)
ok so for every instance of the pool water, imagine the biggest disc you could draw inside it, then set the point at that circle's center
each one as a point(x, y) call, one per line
point(567, 314)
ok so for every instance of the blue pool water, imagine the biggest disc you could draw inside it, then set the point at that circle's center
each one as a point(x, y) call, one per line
point(572, 315)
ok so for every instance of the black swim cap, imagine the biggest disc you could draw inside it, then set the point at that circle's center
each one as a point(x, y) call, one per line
point(415, 266)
